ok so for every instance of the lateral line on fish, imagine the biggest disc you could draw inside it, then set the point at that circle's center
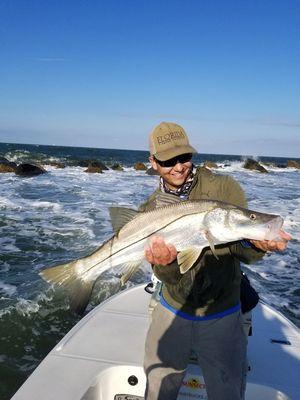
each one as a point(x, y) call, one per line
point(131, 244)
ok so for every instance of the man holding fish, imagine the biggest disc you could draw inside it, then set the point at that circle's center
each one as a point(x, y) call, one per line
point(200, 306)
point(192, 230)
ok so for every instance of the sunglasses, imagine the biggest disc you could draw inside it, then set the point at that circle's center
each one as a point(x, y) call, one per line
point(182, 158)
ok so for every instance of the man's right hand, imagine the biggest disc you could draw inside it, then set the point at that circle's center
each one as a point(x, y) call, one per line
point(159, 252)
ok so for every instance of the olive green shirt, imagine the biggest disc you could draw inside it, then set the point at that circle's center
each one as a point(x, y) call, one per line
point(211, 285)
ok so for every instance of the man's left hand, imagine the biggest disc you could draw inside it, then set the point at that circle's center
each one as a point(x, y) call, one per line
point(273, 245)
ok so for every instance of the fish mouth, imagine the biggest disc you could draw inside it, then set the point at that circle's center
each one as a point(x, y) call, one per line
point(273, 227)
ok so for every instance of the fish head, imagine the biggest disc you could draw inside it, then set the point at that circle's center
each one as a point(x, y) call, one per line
point(231, 223)
point(248, 224)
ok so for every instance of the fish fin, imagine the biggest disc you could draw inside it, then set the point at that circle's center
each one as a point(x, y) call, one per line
point(80, 296)
point(130, 270)
point(66, 275)
point(187, 258)
point(166, 199)
point(210, 240)
point(63, 275)
point(120, 216)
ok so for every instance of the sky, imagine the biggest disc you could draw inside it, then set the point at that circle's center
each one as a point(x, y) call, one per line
point(104, 73)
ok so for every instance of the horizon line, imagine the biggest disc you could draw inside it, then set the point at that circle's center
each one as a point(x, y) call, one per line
point(113, 148)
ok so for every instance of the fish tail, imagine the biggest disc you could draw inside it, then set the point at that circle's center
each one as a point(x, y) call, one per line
point(66, 275)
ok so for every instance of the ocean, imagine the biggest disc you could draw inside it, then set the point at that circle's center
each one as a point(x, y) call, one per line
point(62, 215)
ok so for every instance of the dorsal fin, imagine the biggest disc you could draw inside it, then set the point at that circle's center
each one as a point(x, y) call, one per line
point(120, 216)
point(166, 199)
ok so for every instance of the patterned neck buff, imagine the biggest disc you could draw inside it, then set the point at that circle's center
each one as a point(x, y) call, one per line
point(182, 192)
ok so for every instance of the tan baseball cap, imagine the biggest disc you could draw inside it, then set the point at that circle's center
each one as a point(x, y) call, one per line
point(168, 140)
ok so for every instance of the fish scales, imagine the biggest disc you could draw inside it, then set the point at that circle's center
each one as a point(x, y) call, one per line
point(148, 222)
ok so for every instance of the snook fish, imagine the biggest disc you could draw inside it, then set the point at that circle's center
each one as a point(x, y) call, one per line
point(189, 225)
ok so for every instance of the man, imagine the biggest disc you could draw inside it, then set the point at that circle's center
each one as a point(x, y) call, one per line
point(201, 308)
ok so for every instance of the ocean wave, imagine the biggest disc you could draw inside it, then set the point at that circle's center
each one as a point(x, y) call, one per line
point(26, 307)
point(16, 155)
point(6, 203)
point(7, 289)
point(8, 245)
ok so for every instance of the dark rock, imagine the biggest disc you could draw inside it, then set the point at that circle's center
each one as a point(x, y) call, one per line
point(254, 166)
point(210, 164)
point(92, 163)
point(29, 170)
point(117, 167)
point(293, 164)
point(139, 166)
point(93, 170)
point(151, 171)
point(7, 166)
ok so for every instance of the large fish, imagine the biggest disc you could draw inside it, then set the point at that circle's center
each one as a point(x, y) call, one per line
point(189, 225)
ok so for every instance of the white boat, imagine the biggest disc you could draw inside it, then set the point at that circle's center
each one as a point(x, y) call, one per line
point(101, 358)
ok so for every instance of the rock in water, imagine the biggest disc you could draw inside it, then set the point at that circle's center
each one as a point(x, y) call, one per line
point(29, 170)
point(93, 170)
point(117, 167)
point(93, 164)
point(7, 166)
point(293, 164)
point(139, 166)
point(254, 166)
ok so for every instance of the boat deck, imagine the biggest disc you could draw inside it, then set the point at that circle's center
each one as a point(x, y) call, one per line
point(96, 358)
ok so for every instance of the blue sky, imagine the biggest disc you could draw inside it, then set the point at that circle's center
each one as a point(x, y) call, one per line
point(104, 73)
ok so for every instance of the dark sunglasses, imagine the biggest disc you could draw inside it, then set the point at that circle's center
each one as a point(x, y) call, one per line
point(182, 158)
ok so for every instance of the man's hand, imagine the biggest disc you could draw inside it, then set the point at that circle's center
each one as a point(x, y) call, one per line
point(273, 245)
point(159, 252)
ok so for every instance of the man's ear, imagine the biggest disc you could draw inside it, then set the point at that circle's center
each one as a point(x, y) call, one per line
point(153, 163)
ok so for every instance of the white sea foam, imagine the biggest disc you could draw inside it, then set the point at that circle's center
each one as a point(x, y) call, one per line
point(7, 289)
point(46, 205)
point(7, 204)
point(25, 307)
point(6, 311)
point(16, 155)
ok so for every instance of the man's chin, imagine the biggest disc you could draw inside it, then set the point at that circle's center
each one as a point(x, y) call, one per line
point(176, 183)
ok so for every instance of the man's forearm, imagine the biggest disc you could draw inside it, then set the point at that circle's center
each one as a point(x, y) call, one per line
point(246, 252)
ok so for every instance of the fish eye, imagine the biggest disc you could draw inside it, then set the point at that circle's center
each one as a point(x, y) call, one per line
point(253, 217)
